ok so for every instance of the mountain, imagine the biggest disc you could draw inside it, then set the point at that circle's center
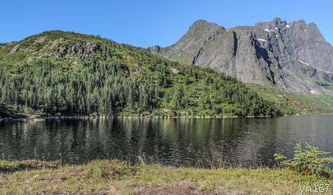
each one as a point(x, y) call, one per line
point(58, 73)
point(293, 57)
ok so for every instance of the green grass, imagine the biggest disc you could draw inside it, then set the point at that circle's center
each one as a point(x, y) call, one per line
point(324, 101)
point(330, 87)
point(112, 176)
point(179, 57)
point(294, 103)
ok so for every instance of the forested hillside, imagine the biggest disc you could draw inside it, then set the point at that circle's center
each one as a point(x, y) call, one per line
point(61, 73)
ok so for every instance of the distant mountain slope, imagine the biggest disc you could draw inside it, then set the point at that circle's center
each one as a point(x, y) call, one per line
point(62, 73)
point(293, 57)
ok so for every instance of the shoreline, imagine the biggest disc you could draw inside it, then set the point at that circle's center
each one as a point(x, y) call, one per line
point(27, 119)
point(119, 117)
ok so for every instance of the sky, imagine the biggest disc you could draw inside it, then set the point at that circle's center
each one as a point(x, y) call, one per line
point(145, 23)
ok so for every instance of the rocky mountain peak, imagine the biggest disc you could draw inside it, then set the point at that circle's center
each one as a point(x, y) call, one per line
point(203, 24)
point(277, 22)
point(199, 23)
point(198, 35)
point(291, 56)
point(202, 28)
point(270, 26)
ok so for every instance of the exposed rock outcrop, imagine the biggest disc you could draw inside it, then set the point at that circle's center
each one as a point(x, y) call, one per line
point(291, 56)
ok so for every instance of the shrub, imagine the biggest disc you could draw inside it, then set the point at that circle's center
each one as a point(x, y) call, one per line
point(307, 159)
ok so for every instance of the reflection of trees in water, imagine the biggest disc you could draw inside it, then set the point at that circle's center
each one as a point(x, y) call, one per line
point(258, 143)
point(215, 142)
point(204, 143)
point(12, 141)
point(179, 142)
point(175, 141)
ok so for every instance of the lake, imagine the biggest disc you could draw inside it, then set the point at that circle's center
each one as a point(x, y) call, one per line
point(178, 142)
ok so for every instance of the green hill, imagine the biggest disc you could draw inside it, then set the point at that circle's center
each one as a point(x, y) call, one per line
point(63, 73)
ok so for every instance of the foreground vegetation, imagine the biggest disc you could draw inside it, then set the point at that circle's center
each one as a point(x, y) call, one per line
point(105, 176)
point(307, 160)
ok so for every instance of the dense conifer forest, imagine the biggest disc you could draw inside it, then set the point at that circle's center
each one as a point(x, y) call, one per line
point(62, 73)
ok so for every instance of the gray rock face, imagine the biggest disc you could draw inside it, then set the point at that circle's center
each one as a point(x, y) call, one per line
point(291, 56)
point(82, 50)
point(154, 49)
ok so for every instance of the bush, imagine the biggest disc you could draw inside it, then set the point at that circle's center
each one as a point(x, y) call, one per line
point(307, 159)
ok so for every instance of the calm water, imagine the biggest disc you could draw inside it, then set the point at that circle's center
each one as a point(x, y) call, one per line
point(178, 142)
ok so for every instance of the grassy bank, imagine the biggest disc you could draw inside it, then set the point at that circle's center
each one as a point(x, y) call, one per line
point(112, 177)
point(295, 103)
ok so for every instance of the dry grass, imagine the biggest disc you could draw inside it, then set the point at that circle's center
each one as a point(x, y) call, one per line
point(116, 177)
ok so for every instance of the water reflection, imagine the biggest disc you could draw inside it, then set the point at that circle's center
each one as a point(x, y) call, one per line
point(178, 142)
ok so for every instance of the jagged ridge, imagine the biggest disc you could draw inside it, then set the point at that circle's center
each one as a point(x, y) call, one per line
point(291, 56)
